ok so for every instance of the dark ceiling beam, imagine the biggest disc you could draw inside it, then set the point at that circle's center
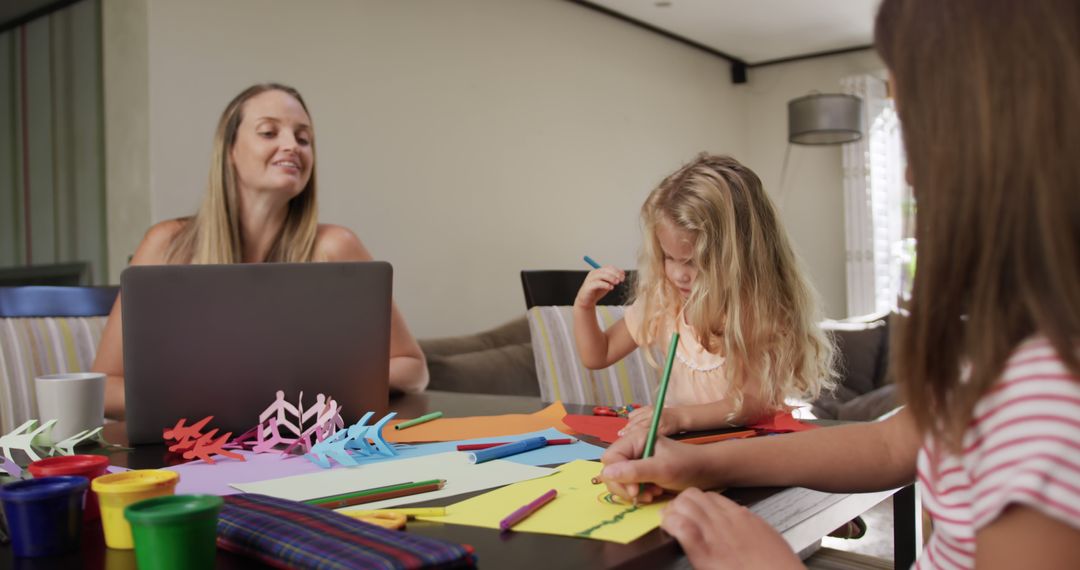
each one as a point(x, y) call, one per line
point(43, 10)
point(739, 66)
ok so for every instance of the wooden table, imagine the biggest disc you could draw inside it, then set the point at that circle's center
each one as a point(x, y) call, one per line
point(802, 516)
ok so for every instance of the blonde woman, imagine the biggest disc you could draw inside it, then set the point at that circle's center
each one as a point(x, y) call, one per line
point(260, 206)
point(717, 267)
point(988, 356)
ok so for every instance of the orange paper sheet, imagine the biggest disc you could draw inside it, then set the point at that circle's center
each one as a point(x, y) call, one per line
point(453, 429)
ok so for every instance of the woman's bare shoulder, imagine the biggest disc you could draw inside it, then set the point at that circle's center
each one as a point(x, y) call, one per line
point(338, 243)
point(155, 244)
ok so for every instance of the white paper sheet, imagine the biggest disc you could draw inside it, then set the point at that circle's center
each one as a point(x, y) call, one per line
point(460, 475)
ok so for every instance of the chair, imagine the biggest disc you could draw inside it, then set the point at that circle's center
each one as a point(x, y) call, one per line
point(560, 287)
point(45, 330)
point(560, 374)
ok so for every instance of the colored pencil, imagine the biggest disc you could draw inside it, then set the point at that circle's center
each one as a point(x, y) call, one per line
point(411, 513)
point(650, 443)
point(508, 449)
point(476, 446)
point(592, 262)
point(523, 513)
point(419, 420)
point(701, 439)
point(378, 494)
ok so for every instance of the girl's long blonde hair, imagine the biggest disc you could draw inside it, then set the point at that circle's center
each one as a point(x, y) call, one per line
point(750, 300)
point(213, 235)
point(987, 94)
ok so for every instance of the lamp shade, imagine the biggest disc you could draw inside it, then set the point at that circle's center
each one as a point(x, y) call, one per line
point(825, 118)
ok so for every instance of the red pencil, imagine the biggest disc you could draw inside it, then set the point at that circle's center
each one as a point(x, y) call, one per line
point(476, 446)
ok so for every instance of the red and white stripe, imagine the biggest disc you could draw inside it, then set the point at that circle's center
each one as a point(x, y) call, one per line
point(1022, 447)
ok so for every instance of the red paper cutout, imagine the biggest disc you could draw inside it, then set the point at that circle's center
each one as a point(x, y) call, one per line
point(194, 443)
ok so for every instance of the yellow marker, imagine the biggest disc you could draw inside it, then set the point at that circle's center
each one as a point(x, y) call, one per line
point(410, 513)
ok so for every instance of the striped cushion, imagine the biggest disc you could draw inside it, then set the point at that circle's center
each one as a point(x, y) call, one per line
point(561, 374)
point(31, 347)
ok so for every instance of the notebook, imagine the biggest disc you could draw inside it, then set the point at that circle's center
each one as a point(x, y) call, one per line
point(221, 340)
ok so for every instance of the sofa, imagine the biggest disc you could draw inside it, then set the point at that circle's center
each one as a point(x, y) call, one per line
point(502, 361)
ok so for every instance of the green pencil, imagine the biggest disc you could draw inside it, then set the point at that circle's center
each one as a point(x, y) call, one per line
point(419, 420)
point(377, 494)
point(650, 443)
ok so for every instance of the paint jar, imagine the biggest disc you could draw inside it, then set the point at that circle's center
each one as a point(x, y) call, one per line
point(118, 490)
point(44, 516)
point(175, 532)
point(89, 466)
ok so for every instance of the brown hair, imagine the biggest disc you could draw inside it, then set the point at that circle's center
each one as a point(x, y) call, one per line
point(987, 94)
point(213, 236)
point(750, 299)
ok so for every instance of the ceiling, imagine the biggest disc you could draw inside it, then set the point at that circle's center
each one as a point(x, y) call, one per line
point(755, 31)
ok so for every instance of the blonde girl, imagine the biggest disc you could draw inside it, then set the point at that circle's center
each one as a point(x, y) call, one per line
point(260, 206)
point(717, 267)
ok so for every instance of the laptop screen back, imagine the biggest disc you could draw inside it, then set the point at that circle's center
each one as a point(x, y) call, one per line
point(221, 340)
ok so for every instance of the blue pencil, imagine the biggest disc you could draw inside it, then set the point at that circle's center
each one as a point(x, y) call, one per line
point(592, 262)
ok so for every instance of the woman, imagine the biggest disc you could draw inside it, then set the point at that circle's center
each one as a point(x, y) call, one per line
point(988, 355)
point(260, 206)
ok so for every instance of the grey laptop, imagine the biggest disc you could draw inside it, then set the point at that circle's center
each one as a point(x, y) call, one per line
point(221, 340)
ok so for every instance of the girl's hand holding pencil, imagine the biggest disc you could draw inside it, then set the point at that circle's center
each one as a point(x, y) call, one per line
point(674, 466)
point(598, 282)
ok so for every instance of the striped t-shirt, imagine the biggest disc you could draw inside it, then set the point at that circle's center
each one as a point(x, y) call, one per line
point(1022, 447)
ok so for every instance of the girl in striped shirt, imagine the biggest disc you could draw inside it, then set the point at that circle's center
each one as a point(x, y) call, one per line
point(988, 354)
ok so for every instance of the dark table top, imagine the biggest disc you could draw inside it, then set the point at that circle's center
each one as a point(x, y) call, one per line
point(803, 516)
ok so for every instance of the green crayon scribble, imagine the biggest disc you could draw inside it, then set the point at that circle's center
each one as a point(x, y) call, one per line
point(615, 519)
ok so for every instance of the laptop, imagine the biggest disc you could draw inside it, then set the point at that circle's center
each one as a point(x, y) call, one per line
point(221, 340)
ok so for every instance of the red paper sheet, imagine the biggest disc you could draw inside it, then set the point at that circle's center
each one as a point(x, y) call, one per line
point(606, 428)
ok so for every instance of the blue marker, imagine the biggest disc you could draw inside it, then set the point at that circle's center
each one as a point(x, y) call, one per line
point(507, 450)
point(592, 262)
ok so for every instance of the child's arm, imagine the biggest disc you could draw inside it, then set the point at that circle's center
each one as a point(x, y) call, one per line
point(599, 349)
point(1023, 537)
point(852, 458)
point(696, 417)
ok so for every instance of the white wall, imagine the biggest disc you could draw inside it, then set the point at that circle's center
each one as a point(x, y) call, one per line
point(812, 199)
point(463, 141)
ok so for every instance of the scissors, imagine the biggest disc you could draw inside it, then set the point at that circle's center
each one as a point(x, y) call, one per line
point(385, 519)
point(615, 412)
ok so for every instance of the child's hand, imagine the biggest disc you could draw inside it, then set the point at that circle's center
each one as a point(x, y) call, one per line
point(641, 419)
point(598, 282)
point(715, 532)
point(674, 466)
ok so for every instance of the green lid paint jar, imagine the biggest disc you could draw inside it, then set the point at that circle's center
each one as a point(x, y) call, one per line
point(175, 531)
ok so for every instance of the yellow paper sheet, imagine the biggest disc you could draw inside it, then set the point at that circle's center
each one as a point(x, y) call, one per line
point(453, 429)
point(580, 509)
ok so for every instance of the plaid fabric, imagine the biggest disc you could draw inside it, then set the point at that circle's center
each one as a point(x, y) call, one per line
point(288, 534)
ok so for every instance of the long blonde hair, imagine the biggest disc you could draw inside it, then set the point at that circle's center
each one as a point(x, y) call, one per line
point(750, 300)
point(987, 96)
point(213, 235)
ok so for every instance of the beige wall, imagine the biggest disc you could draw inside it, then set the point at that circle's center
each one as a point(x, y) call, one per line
point(464, 141)
point(812, 199)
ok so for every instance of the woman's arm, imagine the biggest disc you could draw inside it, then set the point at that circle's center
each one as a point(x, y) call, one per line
point(408, 367)
point(852, 458)
point(110, 355)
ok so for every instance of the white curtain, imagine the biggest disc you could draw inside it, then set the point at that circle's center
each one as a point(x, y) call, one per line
point(873, 168)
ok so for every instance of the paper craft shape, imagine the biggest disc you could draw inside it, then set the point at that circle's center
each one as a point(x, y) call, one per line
point(197, 477)
point(10, 467)
point(454, 467)
point(452, 429)
point(194, 444)
point(358, 438)
point(29, 440)
point(581, 508)
point(322, 419)
point(783, 422)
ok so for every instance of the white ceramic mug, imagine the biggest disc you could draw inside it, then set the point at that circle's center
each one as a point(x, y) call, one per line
point(76, 400)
